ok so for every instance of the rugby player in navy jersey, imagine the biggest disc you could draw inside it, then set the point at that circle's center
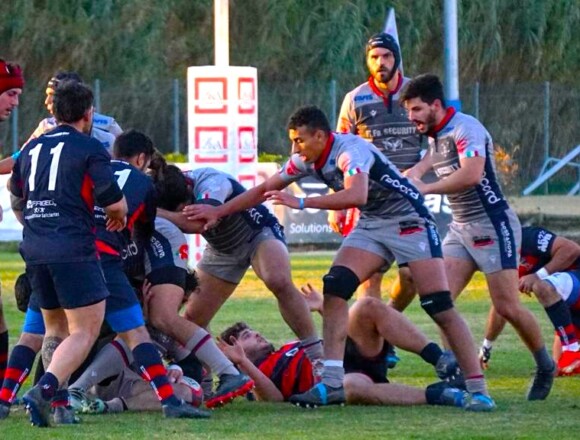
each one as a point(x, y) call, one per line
point(254, 238)
point(394, 220)
point(123, 313)
point(485, 234)
point(545, 256)
point(56, 180)
point(11, 84)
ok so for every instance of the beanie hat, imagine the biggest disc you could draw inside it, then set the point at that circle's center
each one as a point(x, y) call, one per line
point(385, 41)
point(10, 76)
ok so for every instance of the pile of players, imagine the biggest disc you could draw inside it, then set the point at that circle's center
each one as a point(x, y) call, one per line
point(118, 225)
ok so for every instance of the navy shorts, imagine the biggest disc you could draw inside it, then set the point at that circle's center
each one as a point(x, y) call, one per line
point(123, 311)
point(375, 368)
point(67, 285)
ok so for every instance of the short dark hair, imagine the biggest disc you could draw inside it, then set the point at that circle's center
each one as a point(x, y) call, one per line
point(311, 117)
point(234, 330)
point(131, 143)
point(426, 87)
point(71, 101)
point(61, 77)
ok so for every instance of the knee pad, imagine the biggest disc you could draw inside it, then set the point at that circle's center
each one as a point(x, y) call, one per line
point(437, 302)
point(340, 281)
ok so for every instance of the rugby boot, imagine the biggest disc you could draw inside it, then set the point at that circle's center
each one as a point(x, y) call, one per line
point(184, 411)
point(37, 407)
point(542, 383)
point(569, 363)
point(447, 367)
point(391, 357)
point(65, 415)
point(229, 387)
point(479, 402)
point(319, 395)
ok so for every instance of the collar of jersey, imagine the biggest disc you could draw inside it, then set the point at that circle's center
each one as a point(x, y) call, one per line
point(325, 153)
point(448, 115)
point(379, 92)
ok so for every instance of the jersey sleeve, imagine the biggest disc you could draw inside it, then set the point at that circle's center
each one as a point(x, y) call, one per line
point(106, 189)
point(293, 170)
point(354, 161)
point(145, 223)
point(16, 184)
point(471, 140)
point(213, 189)
point(346, 118)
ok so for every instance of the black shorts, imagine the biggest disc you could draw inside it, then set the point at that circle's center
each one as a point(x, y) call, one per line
point(375, 368)
point(67, 285)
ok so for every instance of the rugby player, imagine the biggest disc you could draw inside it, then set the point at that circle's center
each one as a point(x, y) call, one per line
point(394, 220)
point(485, 234)
point(545, 254)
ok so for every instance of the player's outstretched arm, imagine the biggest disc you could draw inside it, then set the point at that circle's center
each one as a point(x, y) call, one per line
point(181, 221)
point(265, 388)
point(467, 176)
point(252, 197)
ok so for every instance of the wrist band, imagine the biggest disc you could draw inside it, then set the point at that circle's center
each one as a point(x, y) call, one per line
point(15, 155)
point(301, 203)
point(542, 273)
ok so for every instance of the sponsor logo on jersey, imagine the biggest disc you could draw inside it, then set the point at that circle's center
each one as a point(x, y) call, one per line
point(544, 240)
point(291, 169)
point(362, 98)
point(401, 187)
point(392, 144)
point(255, 215)
point(183, 252)
point(130, 250)
point(488, 191)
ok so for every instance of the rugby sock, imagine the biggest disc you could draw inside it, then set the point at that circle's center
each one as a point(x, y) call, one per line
point(109, 362)
point(152, 370)
point(487, 343)
point(431, 353)
point(19, 367)
point(476, 384)
point(205, 349)
point(543, 359)
point(61, 398)
point(48, 385)
point(559, 314)
point(333, 374)
point(3, 353)
point(312, 346)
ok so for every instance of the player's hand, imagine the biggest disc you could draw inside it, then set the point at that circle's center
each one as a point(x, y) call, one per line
point(116, 225)
point(419, 184)
point(174, 373)
point(282, 198)
point(313, 298)
point(484, 357)
point(527, 282)
point(205, 213)
point(336, 220)
point(233, 350)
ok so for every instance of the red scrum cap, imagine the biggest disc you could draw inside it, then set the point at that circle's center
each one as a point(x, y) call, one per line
point(10, 76)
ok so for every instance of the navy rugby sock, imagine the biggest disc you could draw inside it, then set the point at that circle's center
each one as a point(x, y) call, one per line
point(431, 353)
point(3, 353)
point(559, 314)
point(151, 369)
point(19, 367)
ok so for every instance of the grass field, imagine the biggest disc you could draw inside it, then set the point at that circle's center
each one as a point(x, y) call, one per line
point(510, 372)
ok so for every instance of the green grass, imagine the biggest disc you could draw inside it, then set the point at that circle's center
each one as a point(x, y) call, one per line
point(515, 418)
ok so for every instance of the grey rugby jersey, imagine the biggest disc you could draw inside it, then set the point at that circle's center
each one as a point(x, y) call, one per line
point(382, 121)
point(390, 194)
point(461, 136)
point(214, 187)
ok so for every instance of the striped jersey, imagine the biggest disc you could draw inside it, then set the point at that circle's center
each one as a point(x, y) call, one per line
point(214, 187)
point(460, 136)
point(390, 194)
point(381, 120)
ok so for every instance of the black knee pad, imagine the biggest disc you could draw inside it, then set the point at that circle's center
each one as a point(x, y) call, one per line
point(340, 281)
point(437, 302)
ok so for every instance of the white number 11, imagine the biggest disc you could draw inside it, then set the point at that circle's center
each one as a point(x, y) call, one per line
point(35, 152)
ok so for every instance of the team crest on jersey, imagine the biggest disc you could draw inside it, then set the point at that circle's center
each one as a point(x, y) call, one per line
point(183, 252)
point(373, 113)
point(393, 144)
point(291, 169)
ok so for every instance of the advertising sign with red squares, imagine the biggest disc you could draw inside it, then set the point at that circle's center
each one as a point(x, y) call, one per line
point(211, 95)
point(211, 145)
point(247, 144)
point(247, 95)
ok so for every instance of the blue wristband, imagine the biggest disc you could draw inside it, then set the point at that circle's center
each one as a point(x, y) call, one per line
point(15, 155)
point(301, 203)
